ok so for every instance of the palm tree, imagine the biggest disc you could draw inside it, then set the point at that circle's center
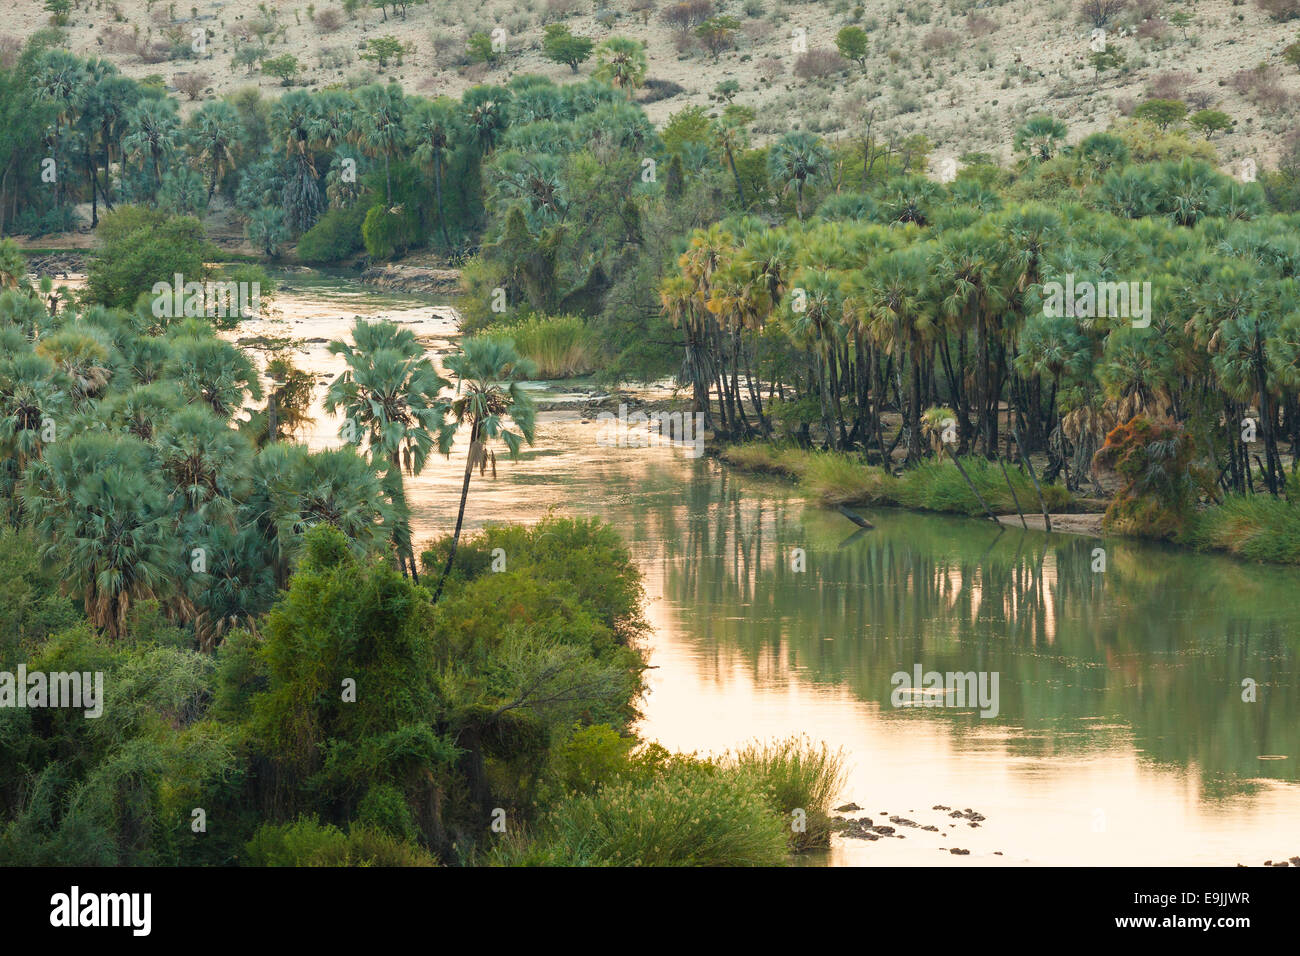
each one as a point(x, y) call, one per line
point(141, 410)
point(60, 79)
point(622, 62)
point(377, 125)
point(205, 462)
point(900, 321)
point(487, 114)
point(295, 118)
point(796, 158)
point(968, 280)
point(154, 129)
point(1039, 137)
point(435, 133)
point(100, 92)
point(215, 133)
point(488, 372)
point(214, 372)
point(731, 138)
point(85, 355)
point(30, 395)
point(13, 266)
point(101, 515)
point(294, 490)
point(389, 395)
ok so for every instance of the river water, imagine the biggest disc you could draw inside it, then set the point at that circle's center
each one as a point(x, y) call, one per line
point(1121, 737)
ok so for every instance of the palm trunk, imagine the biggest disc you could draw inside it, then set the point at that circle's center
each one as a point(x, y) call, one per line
point(437, 188)
point(460, 514)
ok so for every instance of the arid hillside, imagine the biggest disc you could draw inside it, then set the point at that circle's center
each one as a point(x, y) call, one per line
point(964, 72)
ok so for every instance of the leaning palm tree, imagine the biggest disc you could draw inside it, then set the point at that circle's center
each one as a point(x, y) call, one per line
point(488, 372)
point(389, 395)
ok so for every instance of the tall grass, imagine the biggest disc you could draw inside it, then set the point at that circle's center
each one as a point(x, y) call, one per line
point(1257, 527)
point(560, 345)
point(796, 776)
point(834, 478)
point(693, 814)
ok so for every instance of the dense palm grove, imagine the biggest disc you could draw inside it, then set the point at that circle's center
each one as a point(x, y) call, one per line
point(284, 661)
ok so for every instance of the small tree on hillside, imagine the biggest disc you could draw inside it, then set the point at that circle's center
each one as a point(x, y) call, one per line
point(285, 67)
point(382, 49)
point(1164, 113)
point(852, 44)
point(561, 46)
point(1210, 122)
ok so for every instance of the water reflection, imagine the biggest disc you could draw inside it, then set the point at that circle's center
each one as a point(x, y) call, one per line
point(1121, 737)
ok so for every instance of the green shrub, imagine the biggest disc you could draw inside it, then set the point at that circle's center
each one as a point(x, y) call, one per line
point(307, 842)
point(593, 757)
point(694, 814)
point(387, 234)
point(336, 235)
point(139, 248)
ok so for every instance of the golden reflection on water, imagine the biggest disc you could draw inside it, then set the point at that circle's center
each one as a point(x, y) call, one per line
point(1121, 738)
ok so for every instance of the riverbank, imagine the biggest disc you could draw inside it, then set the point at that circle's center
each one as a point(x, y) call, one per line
point(1254, 528)
point(835, 479)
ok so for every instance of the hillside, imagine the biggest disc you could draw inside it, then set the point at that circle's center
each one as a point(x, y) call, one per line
point(963, 72)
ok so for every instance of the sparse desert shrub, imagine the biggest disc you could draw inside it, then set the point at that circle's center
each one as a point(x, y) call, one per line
point(1280, 10)
point(940, 38)
point(770, 67)
point(116, 40)
point(449, 51)
point(191, 84)
point(559, 9)
point(1262, 86)
point(1099, 13)
point(329, 20)
point(978, 25)
point(1169, 86)
point(687, 15)
point(655, 90)
point(818, 63)
point(1153, 29)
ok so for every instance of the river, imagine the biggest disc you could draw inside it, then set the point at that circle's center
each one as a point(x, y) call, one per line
point(1121, 737)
